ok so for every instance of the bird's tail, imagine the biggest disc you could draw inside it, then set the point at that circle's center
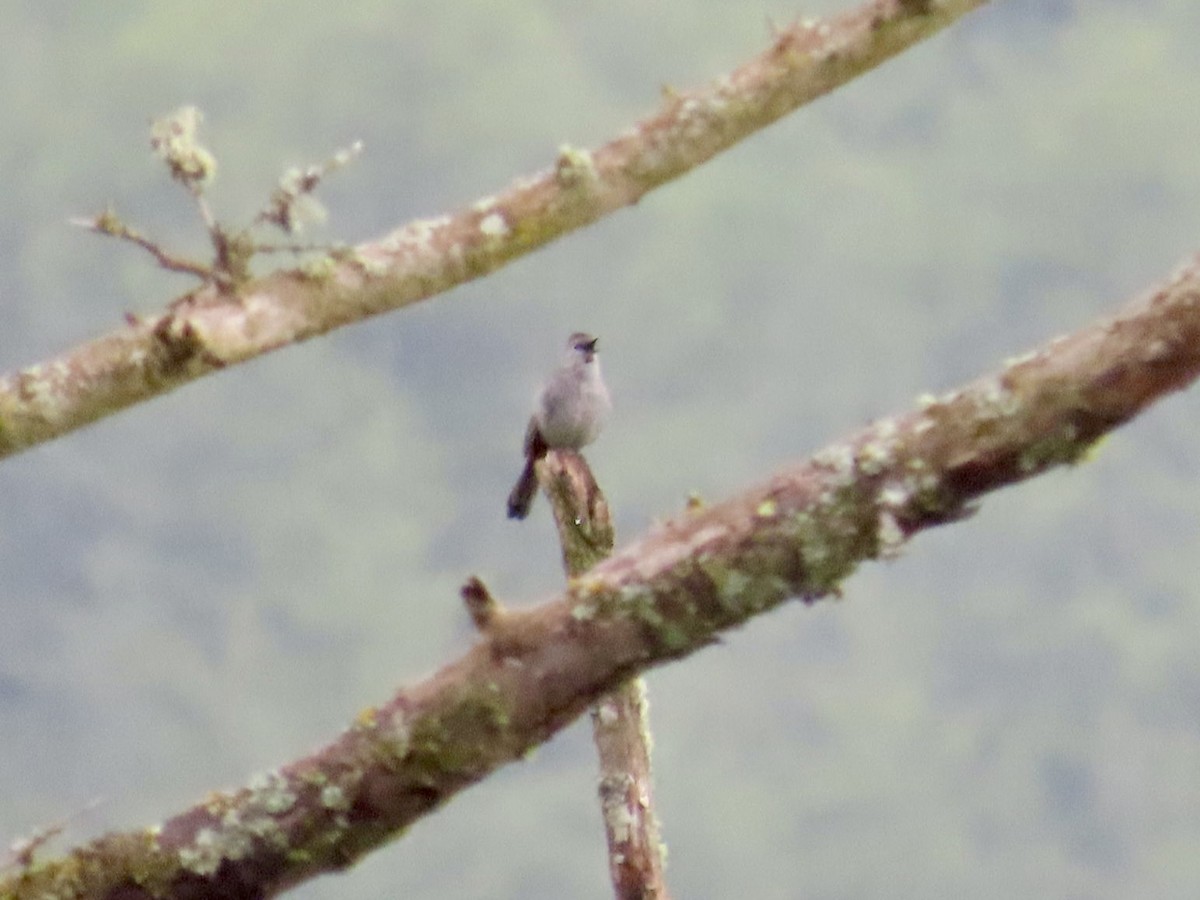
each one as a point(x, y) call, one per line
point(523, 491)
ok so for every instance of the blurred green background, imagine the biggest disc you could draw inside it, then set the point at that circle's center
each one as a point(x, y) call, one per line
point(215, 582)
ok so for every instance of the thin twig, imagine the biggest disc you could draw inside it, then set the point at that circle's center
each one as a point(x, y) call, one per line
point(108, 223)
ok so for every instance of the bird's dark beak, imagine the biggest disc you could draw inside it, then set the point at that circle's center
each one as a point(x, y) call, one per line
point(590, 346)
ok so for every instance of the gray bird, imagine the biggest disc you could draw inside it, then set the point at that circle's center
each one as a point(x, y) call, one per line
point(568, 414)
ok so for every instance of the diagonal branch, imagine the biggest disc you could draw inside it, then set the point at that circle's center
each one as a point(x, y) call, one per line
point(666, 596)
point(219, 325)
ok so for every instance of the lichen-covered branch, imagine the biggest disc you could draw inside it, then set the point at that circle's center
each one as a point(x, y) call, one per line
point(620, 718)
point(621, 732)
point(226, 322)
point(672, 592)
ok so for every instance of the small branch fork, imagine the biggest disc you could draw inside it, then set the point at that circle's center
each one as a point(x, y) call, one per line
point(290, 208)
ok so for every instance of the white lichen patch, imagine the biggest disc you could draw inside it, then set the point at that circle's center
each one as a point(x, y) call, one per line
point(1156, 351)
point(272, 792)
point(333, 797)
point(839, 459)
point(204, 856)
point(266, 829)
point(994, 400)
point(886, 429)
point(415, 237)
point(574, 167)
point(875, 456)
point(619, 820)
point(372, 264)
point(34, 384)
point(237, 841)
point(923, 486)
point(607, 713)
point(895, 495)
point(494, 225)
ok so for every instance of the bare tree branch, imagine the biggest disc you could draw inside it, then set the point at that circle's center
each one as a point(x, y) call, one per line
point(620, 719)
point(292, 205)
point(621, 732)
point(108, 223)
point(224, 323)
point(665, 596)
